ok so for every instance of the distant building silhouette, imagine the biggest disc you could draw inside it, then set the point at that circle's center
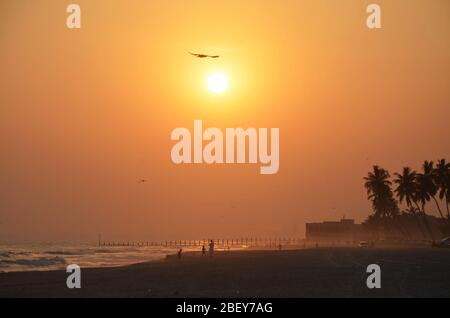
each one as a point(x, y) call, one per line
point(343, 230)
point(346, 230)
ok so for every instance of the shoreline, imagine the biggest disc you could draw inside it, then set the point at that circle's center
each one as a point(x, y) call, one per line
point(316, 272)
point(190, 252)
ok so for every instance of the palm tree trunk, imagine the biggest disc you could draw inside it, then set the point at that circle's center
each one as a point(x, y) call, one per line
point(424, 219)
point(438, 207)
point(403, 229)
point(446, 204)
point(419, 225)
point(420, 218)
point(427, 225)
point(398, 225)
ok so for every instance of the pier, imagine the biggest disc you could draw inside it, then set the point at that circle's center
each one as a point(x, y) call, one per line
point(269, 242)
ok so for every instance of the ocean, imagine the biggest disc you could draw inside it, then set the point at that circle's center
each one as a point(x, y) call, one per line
point(55, 256)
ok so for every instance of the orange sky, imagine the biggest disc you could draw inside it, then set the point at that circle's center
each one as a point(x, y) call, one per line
point(85, 114)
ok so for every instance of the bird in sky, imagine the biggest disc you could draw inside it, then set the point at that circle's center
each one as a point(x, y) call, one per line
point(202, 56)
point(142, 180)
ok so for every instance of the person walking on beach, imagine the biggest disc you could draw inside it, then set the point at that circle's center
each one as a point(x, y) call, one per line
point(203, 250)
point(211, 248)
point(179, 253)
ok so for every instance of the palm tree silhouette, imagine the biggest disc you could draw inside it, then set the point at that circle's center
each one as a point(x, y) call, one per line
point(406, 186)
point(427, 187)
point(406, 190)
point(377, 182)
point(380, 193)
point(413, 188)
point(442, 180)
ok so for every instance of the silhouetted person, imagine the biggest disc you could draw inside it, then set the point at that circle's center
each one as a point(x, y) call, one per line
point(179, 253)
point(203, 250)
point(211, 248)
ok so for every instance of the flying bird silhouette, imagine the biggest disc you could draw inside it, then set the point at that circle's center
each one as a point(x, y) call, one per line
point(202, 56)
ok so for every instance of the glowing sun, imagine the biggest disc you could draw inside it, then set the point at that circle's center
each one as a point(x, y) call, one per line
point(217, 83)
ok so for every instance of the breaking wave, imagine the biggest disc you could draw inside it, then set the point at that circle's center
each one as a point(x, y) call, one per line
point(41, 257)
point(35, 262)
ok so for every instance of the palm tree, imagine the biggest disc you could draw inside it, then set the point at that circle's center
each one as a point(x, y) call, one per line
point(378, 185)
point(412, 211)
point(377, 182)
point(427, 188)
point(406, 186)
point(394, 214)
point(380, 193)
point(406, 190)
point(442, 180)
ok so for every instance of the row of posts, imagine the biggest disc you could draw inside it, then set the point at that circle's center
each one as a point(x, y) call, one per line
point(251, 242)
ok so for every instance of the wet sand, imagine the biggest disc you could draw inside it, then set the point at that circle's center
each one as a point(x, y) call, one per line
point(321, 272)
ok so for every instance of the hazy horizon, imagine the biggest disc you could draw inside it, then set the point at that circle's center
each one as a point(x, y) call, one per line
point(85, 114)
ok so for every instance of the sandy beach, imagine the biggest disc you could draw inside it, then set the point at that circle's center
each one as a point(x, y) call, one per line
point(322, 272)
